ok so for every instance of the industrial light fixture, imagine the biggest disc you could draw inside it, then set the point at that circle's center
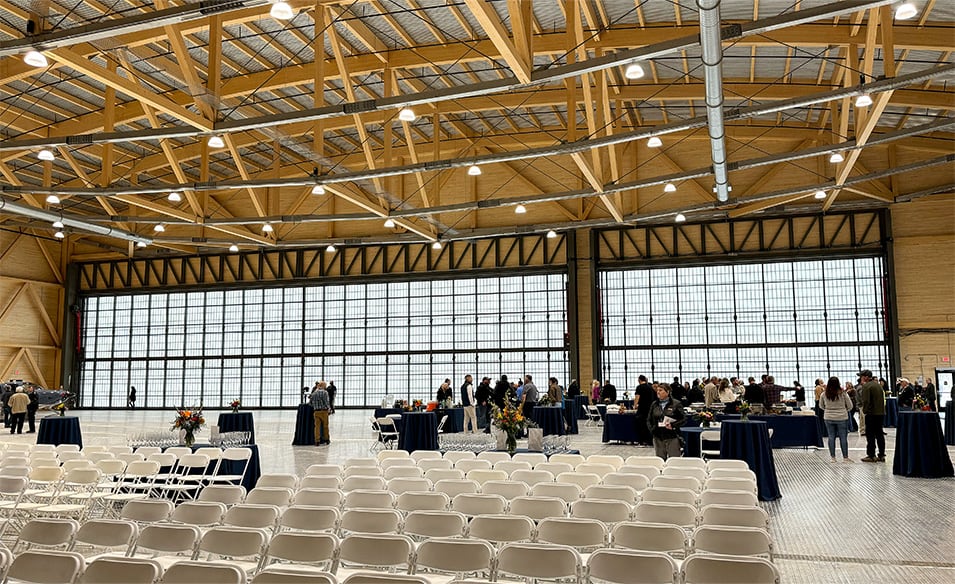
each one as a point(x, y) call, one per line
point(233, 248)
point(633, 71)
point(140, 244)
point(281, 11)
point(216, 141)
point(35, 58)
point(436, 245)
point(59, 235)
point(407, 115)
point(551, 234)
point(864, 100)
point(318, 190)
point(175, 197)
point(836, 158)
point(520, 209)
point(820, 194)
point(669, 188)
point(680, 218)
point(57, 224)
point(267, 228)
point(159, 228)
point(654, 142)
point(474, 170)
point(905, 11)
point(46, 155)
point(330, 248)
point(53, 199)
point(389, 223)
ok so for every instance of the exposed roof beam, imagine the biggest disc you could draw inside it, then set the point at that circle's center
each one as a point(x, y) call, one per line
point(489, 20)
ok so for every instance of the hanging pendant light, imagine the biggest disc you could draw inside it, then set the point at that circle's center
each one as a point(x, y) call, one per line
point(35, 58)
point(654, 142)
point(281, 11)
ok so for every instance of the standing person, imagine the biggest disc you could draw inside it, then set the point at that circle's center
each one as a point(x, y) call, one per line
point(643, 397)
point(754, 392)
point(836, 407)
point(501, 388)
point(817, 408)
point(608, 392)
point(555, 392)
point(906, 395)
point(853, 395)
point(800, 394)
point(531, 396)
point(131, 397)
point(666, 417)
point(444, 393)
point(772, 393)
point(332, 390)
point(5, 399)
point(468, 401)
point(320, 405)
point(33, 406)
point(726, 393)
point(711, 392)
point(573, 390)
point(483, 397)
point(872, 404)
point(930, 395)
point(19, 402)
point(595, 392)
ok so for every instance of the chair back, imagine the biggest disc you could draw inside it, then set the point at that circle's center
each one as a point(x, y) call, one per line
point(310, 518)
point(632, 567)
point(539, 561)
point(46, 567)
point(501, 528)
point(117, 570)
point(426, 524)
point(187, 572)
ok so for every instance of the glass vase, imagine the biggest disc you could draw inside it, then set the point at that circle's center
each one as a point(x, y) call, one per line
point(189, 439)
point(235, 410)
point(62, 413)
point(744, 416)
point(511, 443)
point(705, 424)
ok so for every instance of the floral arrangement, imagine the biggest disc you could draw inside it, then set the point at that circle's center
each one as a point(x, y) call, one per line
point(744, 409)
point(416, 404)
point(234, 404)
point(65, 399)
point(400, 404)
point(626, 396)
point(919, 403)
point(511, 421)
point(705, 417)
point(189, 421)
point(545, 400)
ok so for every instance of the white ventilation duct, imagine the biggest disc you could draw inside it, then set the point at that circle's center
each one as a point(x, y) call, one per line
point(712, 57)
point(34, 213)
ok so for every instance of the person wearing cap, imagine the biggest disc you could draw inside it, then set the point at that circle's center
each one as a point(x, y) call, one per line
point(906, 395)
point(872, 404)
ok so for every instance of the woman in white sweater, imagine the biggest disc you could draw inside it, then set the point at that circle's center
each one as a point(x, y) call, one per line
point(836, 405)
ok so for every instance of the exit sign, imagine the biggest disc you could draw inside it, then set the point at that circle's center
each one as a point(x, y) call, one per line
point(946, 359)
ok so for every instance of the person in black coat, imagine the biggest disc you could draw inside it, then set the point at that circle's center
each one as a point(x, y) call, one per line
point(754, 392)
point(664, 421)
point(32, 407)
point(482, 395)
point(644, 397)
point(573, 390)
point(501, 388)
point(608, 392)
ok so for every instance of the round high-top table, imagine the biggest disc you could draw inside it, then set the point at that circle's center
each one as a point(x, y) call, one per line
point(419, 431)
point(749, 441)
point(58, 430)
point(920, 449)
point(237, 422)
point(891, 412)
point(623, 428)
point(304, 426)
point(550, 419)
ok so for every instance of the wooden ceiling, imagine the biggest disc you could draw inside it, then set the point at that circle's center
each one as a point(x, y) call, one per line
point(315, 99)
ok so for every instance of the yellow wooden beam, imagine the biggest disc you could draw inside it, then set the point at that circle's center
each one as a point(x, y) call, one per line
point(489, 20)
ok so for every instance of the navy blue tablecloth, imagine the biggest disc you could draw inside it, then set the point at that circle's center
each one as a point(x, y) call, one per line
point(455, 421)
point(891, 412)
point(580, 402)
point(237, 422)
point(570, 418)
point(550, 419)
point(622, 428)
point(749, 441)
point(58, 430)
point(419, 431)
point(383, 412)
point(304, 426)
point(692, 441)
point(920, 449)
point(950, 423)
point(788, 431)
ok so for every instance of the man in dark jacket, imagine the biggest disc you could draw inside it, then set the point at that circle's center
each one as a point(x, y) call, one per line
point(500, 392)
point(332, 392)
point(482, 396)
point(608, 392)
point(32, 407)
point(872, 404)
point(4, 399)
point(643, 398)
point(754, 392)
point(666, 417)
point(573, 390)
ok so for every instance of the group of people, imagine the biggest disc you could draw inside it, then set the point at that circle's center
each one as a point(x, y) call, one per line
point(20, 405)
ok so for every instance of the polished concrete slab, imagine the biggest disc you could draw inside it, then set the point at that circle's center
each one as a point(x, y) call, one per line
point(835, 522)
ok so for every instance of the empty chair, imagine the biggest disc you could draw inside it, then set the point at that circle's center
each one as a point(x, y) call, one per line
point(656, 537)
point(191, 473)
point(685, 471)
point(283, 576)
point(119, 570)
point(278, 496)
point(456, 455)
point(320, 482)
point(452, 487)
point(493, 456)
point(507, 489)
point(476, 504)
point(638, 460)
point(612, 493)
point(283, 480)
point(369, 500)
point(147, 510)
point(601, 510)
point(571, 459)
point(225, 494)
point(429, 464)
point(392, 461)
point(252, 515)
point(104, 536)
point(199, 513)
point(469, 464)
point(387, 455)
point(581, 479)
point(46, 534)
point(77, 463)
point(439, 474)
point(187, 572)
point(301, 552)
point(405, 484)
point(635, 481)
point(611, 459)
point(455, 556)
point(394, 472)
point(686, 462)
point(323, 470)
point(731, 484)
point(363, 483)
point(360, 461)
point(509, 466)
point(673, 482)
point(706, 569)
point(650, 472)
point(425, 524)
point(538, 508)
point(46, 567)
point(414, 501)
point(726, 463)
point(721, 497)
point(554, 468)
point(501, 528)
point(632, 567)
point(566, 492)
point(59, 448)
point(361, 471)
point(584, 535)
point(734, 515)
point(669, 513)
point(370, 521)
point(533, 458)
point(732, 473)
point(597, 468)
point(166, 543)
point(381, 578)
point(539, 561)
point(481, 476)
point(309, 518)
point(243, 547)
point(419, 455)
point(732, 541)
point(532, 477)
point(668, 495)
point(177, 450)
point(375, 551)
point(593, 415)
point(318, 497)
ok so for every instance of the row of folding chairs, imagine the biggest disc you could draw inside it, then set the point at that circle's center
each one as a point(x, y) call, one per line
point(535, 458)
